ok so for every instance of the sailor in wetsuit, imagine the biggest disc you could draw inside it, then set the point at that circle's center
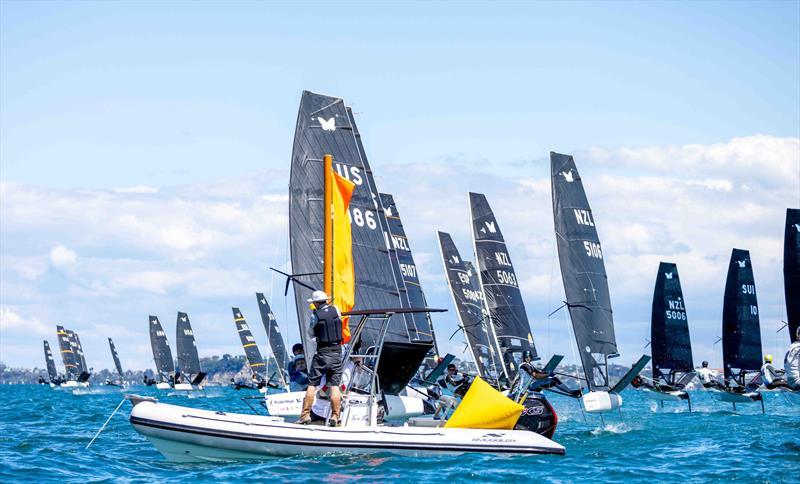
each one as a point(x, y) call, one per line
point(771, 376)
point(326, 327)
point(542, 380)
point(791, 363)
point(453, 380)
point(708, 378)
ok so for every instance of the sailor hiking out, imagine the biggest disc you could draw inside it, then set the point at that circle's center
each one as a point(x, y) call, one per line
point(326, 327)
point(539, 380)
point(708, 378)
point(791, 363)
point(771, 376)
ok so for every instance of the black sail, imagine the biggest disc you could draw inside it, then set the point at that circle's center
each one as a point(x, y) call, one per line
point(73, 343)
point(276, 344)
point(741, 332)
point(254, 358)
point(325, 127)
point(162, 355)
point(81, 355)
point(669, 326)
point(67, 354)
point(51, 364)
point(500, 286)
point(791, 269)
point(582, 271)
point(115, 355)
point(185, 346)
point(468, 300)
point(420, 327)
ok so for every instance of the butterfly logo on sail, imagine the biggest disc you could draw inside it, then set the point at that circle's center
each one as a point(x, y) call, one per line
point(153, 321)
point(741, 263)
point(262, 301)
point(329, 125)
point(568, 176)
point(455, 259)
point(387, 211)
point(668, 275)
point(491, 226)
point(797, 227)
point(238, 315)
point(183, 319)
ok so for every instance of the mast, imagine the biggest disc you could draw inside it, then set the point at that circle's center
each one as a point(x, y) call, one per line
point(669, 326)
point(115, 356)
point(67, 355)
point(51, 364)
point(276, 343)
point(420, 327)
point(582, 271)
point(468, 300)
point(325, 127)
point(500, 287)
point(162, 355)
point(741, 333)
point(791, 270)
point(188, 359)
point(249, 345)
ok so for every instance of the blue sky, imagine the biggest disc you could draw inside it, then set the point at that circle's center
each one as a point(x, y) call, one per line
point(144, 150)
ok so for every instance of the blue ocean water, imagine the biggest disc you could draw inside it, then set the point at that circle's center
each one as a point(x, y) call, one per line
point(43, 433)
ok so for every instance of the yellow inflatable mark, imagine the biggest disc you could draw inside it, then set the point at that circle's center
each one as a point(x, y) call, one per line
point(483, 407)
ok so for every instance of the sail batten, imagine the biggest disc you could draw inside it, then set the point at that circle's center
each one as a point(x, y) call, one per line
point(500, 286)
point(669, 327)
point(582, 271)
point(467, 297)
point(741, 332)
point(791, 270)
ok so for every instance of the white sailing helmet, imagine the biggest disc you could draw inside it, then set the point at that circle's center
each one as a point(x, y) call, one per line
point(318, 296)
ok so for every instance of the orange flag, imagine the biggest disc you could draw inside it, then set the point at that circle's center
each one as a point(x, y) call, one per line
point(344, 278)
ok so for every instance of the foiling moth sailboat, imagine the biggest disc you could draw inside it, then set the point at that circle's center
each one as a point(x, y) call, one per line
point(586, 286)
point(673, 367)
point(117, 366)
point(75, 376)
point(254, 359)
point(280, 358)
point(187, 434)
point(188, 374)
point(53, 379)
point(741, 334)
point(162, 355)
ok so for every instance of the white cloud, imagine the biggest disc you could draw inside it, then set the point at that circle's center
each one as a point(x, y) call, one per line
point(13, 322)
point(62, 257)
point(140, 189)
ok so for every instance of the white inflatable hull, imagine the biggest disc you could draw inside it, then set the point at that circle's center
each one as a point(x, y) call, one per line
point(75, 384)
point(600, 402)
point(163, 386)
point(290, 404)
point(184, 434)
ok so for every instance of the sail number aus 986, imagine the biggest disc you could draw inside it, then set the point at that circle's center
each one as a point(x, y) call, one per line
point(593, 249)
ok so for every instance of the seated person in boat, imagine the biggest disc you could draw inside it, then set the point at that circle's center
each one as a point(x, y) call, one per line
point(326, 327)
point(453, 380)
point(708, 378)
point(771, 376)
point(791, 363)
point(298, 378)
point(538, 379)
point(297, 349)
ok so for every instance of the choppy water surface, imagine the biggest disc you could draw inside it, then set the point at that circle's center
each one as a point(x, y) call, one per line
point(43, 433)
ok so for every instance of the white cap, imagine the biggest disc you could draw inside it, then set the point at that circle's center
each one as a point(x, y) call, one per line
point(318, 296)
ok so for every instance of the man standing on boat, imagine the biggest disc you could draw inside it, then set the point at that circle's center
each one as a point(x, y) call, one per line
point(326, 327)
